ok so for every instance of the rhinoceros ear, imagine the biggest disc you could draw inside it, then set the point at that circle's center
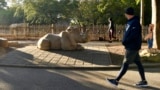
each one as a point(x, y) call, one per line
point(72, 28)
point(69, 29)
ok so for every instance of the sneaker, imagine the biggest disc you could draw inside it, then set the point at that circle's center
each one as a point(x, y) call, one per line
point(112, 82)
point(110, 41)
point(142, 84)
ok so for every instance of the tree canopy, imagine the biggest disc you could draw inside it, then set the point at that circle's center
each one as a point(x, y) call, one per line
point(56, 11)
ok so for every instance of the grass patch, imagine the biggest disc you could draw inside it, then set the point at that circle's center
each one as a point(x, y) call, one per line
point(153, 58)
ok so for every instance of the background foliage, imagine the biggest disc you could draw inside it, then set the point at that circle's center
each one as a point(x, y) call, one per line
point(84, 12)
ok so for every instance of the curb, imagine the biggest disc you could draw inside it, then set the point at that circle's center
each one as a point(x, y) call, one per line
point(66, 67)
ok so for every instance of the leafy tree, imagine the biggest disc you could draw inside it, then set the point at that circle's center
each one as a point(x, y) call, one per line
point(41, 11)
point(6, 16)
point(88, 12)
point(2, 17)
point(115, 9)
point(68, 10)
point(147, 12)
point(3, 4)
point(84, 12)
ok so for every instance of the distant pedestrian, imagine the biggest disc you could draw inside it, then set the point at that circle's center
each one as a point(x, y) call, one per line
point(132, 40)
point(149, 36)
point(111, 29)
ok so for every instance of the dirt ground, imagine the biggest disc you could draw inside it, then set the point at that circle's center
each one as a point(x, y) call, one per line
point(117, 53)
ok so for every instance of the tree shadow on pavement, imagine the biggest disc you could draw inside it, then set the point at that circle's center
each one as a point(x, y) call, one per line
point(87, 55)
point(15, 76)
point(151, 88)
point(16, 57)
point(26, 56)
point(116, 58)
point(45, 79)
point(4, 51)
point(116, 52)
point(141, 88)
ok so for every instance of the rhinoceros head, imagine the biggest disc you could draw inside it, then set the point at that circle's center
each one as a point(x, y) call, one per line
point(77, 35)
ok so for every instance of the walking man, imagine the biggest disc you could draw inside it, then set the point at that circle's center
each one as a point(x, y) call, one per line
point(132, 40)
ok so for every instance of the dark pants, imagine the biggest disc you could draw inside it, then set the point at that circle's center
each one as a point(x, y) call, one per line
point(111, 35)
point(131, 57)
point(150, 43)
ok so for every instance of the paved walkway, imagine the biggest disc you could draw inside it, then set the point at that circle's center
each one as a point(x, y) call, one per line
point(95, 55)
point(55, 79)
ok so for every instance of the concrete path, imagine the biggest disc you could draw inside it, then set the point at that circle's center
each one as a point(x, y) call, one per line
point(94, 55)
point(55, 79)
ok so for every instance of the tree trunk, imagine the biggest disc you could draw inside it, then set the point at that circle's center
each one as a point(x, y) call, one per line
point(156, 22)
point(142, 13)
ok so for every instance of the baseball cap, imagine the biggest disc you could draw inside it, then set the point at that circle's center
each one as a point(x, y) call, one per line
point(129, 11)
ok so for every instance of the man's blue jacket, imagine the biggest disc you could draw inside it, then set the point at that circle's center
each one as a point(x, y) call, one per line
point(132, 38)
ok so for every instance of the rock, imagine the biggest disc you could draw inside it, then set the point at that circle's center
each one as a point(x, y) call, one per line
point(149, 52)
point(144, 52)
point(13, 44)
point(3, 42)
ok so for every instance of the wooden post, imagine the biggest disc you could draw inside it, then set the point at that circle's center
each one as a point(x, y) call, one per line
point(52, 28)
point(154, 12)
point(142, 13)
point(156, 22)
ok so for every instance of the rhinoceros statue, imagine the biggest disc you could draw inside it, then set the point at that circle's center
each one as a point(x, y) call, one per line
point(66, 40)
